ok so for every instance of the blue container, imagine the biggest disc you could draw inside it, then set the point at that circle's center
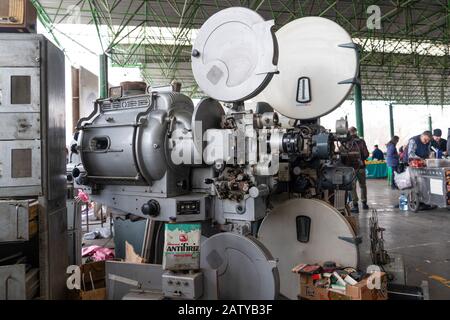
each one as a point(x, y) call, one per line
point(403, 202)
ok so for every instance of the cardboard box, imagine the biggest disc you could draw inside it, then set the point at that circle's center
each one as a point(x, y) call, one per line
point(181, 246)
point(93, 285)
point(97, 294)
point(360, 291)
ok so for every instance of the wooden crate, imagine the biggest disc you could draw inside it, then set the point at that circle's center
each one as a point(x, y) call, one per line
point(17, 16)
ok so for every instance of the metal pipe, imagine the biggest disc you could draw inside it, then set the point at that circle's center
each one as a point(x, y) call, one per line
point(430, 123)
point(358, 110)
point(103, 76)
point(391, 119)
point(75, 98)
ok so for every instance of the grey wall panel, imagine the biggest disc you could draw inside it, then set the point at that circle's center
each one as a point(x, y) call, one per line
point(88, 91)
point(132, 232)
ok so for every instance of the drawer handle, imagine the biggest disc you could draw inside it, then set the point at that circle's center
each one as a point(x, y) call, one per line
point(18, 237)
point(7, 287)
point(17, 224)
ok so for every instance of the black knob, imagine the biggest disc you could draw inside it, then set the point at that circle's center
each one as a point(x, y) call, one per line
point(182, 184)
point(76, 172)
point(195, 53)
point(82, 180)
point(69, 178)
point(151, 208)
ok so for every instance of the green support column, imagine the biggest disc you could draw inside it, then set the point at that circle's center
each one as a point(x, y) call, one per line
point(358, 110)
point(391, 119)
point(103, 77)
point(430, 123)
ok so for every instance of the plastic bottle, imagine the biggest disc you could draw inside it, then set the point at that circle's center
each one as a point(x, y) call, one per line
point(403, 202)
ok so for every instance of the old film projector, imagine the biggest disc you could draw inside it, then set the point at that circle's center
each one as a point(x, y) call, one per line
point(252, 237)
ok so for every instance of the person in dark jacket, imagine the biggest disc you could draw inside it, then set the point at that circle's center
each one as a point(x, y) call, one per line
point(438, 142)
point(377, 154)
point(418, 147)
point(392, 157)
point(448, 141)
point(357, 145)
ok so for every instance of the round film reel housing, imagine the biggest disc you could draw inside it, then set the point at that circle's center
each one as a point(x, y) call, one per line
point(318, 65)
point(234, 55)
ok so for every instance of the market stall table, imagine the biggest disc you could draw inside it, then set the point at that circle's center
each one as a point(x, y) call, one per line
point(430, 185)
point(376, 169)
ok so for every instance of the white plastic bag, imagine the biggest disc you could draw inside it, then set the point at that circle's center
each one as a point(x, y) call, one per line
point(403, 180)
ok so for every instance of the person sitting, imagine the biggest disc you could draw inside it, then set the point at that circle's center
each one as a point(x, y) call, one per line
point(392, 157)
point(418, 147)
point(439, 143)
point(377, 154)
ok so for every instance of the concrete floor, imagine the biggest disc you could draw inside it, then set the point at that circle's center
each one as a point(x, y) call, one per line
point(422, 238)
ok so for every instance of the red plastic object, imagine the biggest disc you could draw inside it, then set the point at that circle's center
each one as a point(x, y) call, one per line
point(417, 163)
point(316, 276)
point(83, 196)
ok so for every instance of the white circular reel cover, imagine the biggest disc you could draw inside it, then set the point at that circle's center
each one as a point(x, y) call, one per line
point(245, 268)
point(318, 64)
point(234, 54)
point(328, 228)
point(207, 115)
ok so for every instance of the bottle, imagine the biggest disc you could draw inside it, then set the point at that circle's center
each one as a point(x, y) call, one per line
point(403, 202)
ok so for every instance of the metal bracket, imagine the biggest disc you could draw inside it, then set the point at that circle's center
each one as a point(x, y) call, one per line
point(136, 178)
point(356, 240)
point(350, 45)
point(354, 80)
point(101, 151)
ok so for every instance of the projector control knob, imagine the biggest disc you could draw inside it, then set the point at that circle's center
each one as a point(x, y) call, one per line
point(76, 172)
point(151, 208)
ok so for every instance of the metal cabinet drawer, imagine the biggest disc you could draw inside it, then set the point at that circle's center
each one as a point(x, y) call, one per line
point(18, 220)
point(19, 90)
point(18, 283)
point(20, 168)
point(19, 53)
point(20, 126)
